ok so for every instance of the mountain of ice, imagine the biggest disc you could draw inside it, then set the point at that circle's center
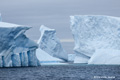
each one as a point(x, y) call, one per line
point(49, 43)
point(92, 32)
point(15, 48)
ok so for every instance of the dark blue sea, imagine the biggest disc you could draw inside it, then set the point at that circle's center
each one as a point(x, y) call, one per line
point(62, 72)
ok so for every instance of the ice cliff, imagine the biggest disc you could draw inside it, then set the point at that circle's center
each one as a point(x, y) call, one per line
point(15, 48)
point(49, 43)
point(0, 18)
point(93, 32)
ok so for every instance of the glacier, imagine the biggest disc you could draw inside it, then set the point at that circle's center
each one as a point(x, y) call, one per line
point(50, 43)
point(93, 32)
point(16, 49)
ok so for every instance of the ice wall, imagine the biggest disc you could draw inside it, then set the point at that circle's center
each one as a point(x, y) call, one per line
point(49, 43)
point(105, 56)
point(93, 32)
point(0, 17)
point(15, 48)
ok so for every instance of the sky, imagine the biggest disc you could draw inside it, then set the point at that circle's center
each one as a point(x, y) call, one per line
point(54, 13)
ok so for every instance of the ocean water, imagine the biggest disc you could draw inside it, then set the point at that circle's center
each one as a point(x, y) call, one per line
point(62, 72)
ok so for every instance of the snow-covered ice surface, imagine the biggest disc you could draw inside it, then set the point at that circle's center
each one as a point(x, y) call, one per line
point(15, 48)
point(47, 59)
point(49, 43)
point(93, 32)
point(105, 56)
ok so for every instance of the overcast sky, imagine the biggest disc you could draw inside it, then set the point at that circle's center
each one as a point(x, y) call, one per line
point(54, 13)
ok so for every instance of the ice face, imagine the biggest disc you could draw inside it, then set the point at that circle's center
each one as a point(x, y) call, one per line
point(105, 56)
point(32, 59)
point(15, 60)
point(93, 32)
point(16, 49)
point(0, 18)
point(49, 43)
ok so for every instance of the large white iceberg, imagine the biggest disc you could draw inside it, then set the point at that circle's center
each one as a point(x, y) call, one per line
point(92, 32)
point(49, 43)
point(15, 48)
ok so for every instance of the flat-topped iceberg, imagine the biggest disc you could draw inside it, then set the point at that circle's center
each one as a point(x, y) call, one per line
point(92, 32)
point(15, 48)
point(49, 43)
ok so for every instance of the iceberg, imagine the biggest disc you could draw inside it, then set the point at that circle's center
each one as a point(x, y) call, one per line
point(15, 48)
point(0, 18)
point(49, 43)
point(92, 32)
point(105, 56)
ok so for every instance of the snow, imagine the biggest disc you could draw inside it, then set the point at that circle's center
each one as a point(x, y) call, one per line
point(9, 25)
point(16, 49)
point(46, 58)
point(105, 56)
point(92, 32)
point(50, 43)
